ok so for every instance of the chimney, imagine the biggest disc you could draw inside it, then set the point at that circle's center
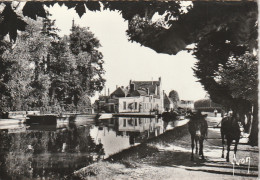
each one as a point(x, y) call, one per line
point(122, 87)
point(73, 24)
point(160, 79)
point(116, 86)
point(132, 87)
point(108, 92)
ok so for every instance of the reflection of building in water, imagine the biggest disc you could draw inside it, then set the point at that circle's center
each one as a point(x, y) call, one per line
point(135, 129)
point(135, 124)
point(139, 129)
point(111, 124)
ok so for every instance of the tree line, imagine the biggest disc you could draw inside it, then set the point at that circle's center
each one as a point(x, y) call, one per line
point(43, 71)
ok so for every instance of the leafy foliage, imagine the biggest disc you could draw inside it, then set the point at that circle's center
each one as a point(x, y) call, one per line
point(49, 28)
point(34, 9)
point(187, 28)
point(82, 40)
point(4, 67)
point(87, 75)
point(207, 105)
point(241, 77)
point(174, 96)
point(41, 71)
point(24, 84)
point(10, 22)
point(145, 9)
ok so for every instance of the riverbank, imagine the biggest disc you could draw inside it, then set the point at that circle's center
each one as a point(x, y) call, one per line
point(168, 157)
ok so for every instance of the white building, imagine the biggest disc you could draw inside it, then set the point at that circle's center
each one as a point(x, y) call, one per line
point(143, 96)
point(139, 96)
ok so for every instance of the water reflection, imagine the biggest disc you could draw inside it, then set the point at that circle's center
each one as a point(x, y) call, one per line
point(54, 151)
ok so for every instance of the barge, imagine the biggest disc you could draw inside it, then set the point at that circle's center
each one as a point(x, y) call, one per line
point(42, 119)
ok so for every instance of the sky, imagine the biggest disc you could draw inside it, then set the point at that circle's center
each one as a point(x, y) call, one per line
point(125, 61)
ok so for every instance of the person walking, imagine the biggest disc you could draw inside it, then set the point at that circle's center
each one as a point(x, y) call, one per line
point(230, 113)
point(222, 113)
point(216, 112)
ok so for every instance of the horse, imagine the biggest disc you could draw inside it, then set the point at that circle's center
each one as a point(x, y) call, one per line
point(198, 128)
point(231, 131)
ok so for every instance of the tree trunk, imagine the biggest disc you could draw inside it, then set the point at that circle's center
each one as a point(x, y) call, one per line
point(253, 137)
point(242, 108)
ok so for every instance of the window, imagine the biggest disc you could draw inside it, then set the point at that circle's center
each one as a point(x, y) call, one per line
point(124, 105)
point(124, 125)
point(135, 105)
point(135, 122)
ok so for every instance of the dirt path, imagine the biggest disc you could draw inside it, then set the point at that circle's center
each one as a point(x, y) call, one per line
point(168, 157)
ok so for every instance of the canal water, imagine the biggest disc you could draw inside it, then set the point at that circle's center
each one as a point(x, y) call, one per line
point(55, 151)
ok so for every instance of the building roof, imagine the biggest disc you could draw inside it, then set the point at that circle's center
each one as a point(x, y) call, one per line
point(120, 92)
point(141, 92)
point(137, 93)
point(167, 99)
point(145, 85)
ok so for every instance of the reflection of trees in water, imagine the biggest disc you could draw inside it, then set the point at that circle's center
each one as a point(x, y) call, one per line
point(4, 148)
point(10, 161)
point(39, 153)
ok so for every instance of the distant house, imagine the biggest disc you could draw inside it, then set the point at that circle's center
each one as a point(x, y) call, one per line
point(143, 96)
point(139, 96)
point(113, 101)
point(119, 92)
point(186, 104)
